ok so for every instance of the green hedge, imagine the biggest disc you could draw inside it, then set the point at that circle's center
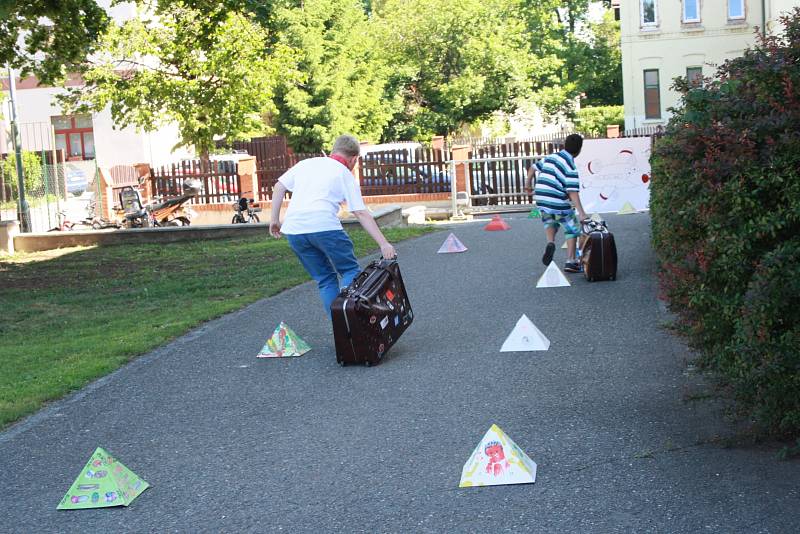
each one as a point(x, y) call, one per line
point(593, 120)
point(31, 167)
point(725, 204)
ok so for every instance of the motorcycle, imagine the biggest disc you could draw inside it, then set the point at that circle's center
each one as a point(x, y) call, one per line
point(169, 212)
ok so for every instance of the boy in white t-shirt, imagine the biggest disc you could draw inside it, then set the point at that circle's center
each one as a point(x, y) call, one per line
point(319, 186)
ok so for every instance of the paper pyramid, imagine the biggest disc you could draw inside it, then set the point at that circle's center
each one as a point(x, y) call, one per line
point(596, 217)
point(525, 337)
point(103, 482)
point(626, 209)
point(564, 245)
point(451, 245)
point(535, 213)
point(284, 343)
point(496, 224)
point(497, 460)
point(553, 277)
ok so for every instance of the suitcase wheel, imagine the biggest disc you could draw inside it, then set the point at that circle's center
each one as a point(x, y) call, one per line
point(341, 363)
point(367, 363)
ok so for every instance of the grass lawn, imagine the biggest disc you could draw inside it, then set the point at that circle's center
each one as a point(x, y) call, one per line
point(73, 315)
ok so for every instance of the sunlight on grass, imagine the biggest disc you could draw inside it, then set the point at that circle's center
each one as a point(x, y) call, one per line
point(73, 315)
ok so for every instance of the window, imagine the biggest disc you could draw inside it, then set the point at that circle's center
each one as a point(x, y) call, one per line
point(652, 95)
point(74, 135)
point(695, 76)
point(735, 9)
point(648, 12)
point(691, 11)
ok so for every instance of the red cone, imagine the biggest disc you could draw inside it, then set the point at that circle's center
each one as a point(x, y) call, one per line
point(497, 224)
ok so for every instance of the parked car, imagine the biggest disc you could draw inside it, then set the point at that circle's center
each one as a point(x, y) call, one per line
point(76, 179)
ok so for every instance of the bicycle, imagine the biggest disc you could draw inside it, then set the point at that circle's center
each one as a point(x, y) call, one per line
point(246, 211)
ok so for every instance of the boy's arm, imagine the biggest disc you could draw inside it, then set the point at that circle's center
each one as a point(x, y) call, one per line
point(575, 197)
point(529, 179)
point(368, 223)
point(278, 193)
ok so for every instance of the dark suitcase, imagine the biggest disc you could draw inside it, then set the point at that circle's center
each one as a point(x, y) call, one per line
point(599, 252)
point(370, 314)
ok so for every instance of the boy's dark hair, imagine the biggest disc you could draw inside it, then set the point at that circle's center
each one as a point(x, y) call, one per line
point(573, 144)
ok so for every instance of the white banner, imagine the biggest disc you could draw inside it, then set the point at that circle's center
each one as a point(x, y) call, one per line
point(613, 172)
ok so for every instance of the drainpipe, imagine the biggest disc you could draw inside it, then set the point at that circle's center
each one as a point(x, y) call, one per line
point(763, 18)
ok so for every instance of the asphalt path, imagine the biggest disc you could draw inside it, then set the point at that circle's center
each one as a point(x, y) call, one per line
point(231, 443)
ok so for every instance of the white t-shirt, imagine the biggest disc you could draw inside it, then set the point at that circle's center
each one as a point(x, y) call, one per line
point(318, 186)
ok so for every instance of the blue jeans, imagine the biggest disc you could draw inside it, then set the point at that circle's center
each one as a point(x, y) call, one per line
point(326, 256)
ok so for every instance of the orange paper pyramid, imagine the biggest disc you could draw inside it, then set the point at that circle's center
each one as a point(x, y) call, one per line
point(497, 224)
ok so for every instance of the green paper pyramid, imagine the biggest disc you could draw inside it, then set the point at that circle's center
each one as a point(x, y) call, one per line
point(535, 214)
point(103, 482)
point(284, 343)
point(626, 209)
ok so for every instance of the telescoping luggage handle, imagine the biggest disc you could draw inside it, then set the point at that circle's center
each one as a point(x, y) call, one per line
point(589, 226)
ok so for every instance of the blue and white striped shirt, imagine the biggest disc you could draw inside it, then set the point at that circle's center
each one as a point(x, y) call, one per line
point(557, 176)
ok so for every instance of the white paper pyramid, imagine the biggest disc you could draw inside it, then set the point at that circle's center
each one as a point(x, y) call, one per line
point(525, 337)
point(552, 277)
point(497, 460)
point(596, 217)
point(564, 245)
point(451, 245)
point(626, 209)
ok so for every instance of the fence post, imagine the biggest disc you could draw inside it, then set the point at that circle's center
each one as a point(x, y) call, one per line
point(248, 179)
point(460, 181)
point(106, 197)
point(143, 171)
point(8, 229)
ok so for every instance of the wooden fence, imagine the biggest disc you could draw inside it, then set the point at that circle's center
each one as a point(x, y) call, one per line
point(219, 179)
point(504, 177)
point(404, 171)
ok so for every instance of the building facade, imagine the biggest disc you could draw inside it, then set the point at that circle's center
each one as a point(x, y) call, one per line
point(665, 39)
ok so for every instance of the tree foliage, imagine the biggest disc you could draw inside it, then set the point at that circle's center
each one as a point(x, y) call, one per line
point(339, 82)
point(454, 61)
point(211, 79)
point(49, 38)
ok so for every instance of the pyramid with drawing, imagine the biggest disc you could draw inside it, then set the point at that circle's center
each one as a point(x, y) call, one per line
point(497, 460)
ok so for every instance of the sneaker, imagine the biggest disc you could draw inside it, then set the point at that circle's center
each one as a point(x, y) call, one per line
point(572, 267)
point(549, 250)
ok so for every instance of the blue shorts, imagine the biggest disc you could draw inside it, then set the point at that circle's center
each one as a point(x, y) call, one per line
point(568, 220)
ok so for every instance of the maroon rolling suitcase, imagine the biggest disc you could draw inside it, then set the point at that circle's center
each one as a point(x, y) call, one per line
point(599, 252)
point(370, 314)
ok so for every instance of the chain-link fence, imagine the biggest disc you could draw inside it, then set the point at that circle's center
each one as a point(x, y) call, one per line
point(58, 193)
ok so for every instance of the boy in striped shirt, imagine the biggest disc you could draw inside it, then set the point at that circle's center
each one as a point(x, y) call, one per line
point(556, 185)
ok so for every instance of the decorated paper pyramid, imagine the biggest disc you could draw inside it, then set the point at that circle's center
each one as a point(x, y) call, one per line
point(451, 245)
point(553, 277)
point(535, 213)
point(596, 217)
point(626, 209)
point(497, 460)
point(497, 224)
point(284, 343)
point(525, 337)
point(103, 482)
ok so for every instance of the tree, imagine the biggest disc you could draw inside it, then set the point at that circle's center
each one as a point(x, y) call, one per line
point(211, 79)
point(49, 38)
point(339, 84)
point(454, 61)
point(584, 57)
